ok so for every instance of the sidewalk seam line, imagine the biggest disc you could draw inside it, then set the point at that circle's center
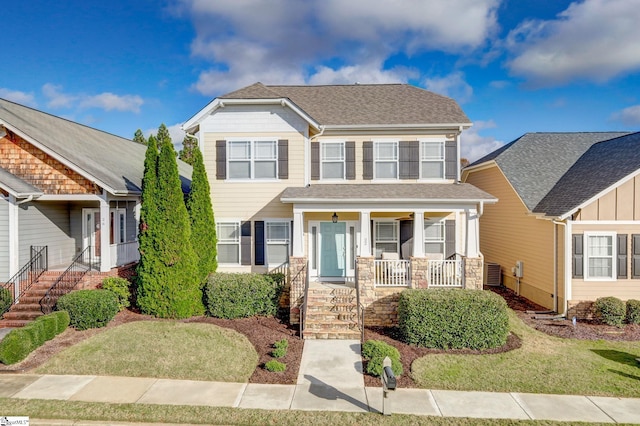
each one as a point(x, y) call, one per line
point(521, 404)
point(599, 408)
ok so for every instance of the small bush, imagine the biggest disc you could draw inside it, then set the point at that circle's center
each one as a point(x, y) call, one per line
point(15, 346)
point(121, 288)
point(633, 311)
point(284, 344)
point(610, 310)
point(375, 351)
point(19, 343)
point(89, 308)
point(49, 324)
point(453, 318)
point(241, 295)
point(278, 352)
point(5, 299)
point(275, 366)
point(62, 320)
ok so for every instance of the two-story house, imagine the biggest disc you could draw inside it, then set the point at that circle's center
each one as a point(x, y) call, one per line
point(352, 186)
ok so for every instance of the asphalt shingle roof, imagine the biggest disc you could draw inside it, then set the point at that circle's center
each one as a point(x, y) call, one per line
point(16, 186)
point(362, 104)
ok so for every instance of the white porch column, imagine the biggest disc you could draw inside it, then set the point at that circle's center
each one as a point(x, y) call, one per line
point(298, 233)
point(365, 233)
point(472, 249)
point(14, 246)
point(105, 232)
point(418, 234)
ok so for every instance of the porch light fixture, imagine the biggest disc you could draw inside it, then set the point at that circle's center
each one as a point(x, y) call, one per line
point(334, 218)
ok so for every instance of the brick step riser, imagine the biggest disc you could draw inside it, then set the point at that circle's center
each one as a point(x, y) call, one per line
point(13, 323)
point(22, 315)
point(21, 307)
point(330, 326)
point(331, 335)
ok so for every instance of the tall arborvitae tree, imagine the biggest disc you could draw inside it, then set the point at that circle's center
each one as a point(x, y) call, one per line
point(203, 225)
point(163, 135)
point(189, 146)
point(138, 137)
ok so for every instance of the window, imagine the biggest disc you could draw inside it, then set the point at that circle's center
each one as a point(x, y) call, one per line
point(333, 160)
point(228, 234)
point(256, 159)
point(277, 238)
point(386, 238)
point(434, 236)
point(118, 222)
point(600, 256)
point(432, 160)
point(385, 160)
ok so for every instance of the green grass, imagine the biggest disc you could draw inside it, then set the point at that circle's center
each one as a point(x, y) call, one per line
point(161, 349)
point(543, 364)
point(176, 414)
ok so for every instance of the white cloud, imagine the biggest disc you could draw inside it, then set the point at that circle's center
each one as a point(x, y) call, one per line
point(110, 101)
point(17, 96)
point(452, 85)
point(175, 131)
point(593, 40)
point(475, 146)
point(57, 99)
point(629, 116)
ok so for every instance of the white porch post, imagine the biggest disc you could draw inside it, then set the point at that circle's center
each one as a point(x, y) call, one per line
point(14, 246)
point(418, 234)
point(298, 233)
point(365, 233)
point(105, 232)
point(473, 234)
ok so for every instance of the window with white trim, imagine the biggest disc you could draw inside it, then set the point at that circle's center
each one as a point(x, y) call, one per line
point(385, 238)
point(228, 234)
point(277, 242)
point(600, 255)
point(332, 158)
point(432, 160)
point(434, 236)
point(252, 159)
point(385, 160)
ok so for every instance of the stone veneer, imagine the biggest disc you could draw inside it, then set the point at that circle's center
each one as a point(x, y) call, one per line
point(473, 273)
point(297, 281)
point(581, 309)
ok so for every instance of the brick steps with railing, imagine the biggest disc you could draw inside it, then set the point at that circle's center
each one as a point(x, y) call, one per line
point(332, 313)
point(29, 307)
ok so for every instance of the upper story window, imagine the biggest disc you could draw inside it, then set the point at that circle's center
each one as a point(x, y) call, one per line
point(600, 256)
point(253, 159)
point(385, 160)
point(228, 234)
point(333, 160)
point(432, 160)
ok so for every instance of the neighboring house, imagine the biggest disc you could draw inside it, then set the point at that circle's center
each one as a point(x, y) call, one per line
point(68, 187)
point(356, 185)
point(569, 211)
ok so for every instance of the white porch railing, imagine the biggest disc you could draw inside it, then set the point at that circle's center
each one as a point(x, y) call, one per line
point(124, 253)
point(445, 273)
point(392, 273)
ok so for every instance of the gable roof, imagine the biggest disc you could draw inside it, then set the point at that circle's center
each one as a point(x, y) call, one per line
point(113, 162)
point(536, 163)
point(356, 105)
point(16, 186)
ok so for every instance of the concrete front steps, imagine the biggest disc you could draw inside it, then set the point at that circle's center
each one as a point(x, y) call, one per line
point(29, 307)
point(332, 313)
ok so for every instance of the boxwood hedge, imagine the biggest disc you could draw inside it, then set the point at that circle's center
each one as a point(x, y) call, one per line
point(241, 295)
point(89, 308)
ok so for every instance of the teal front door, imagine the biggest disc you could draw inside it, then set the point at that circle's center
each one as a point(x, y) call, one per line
point(333, 237)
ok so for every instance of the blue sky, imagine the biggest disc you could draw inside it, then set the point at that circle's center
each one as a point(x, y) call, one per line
point(514, 66)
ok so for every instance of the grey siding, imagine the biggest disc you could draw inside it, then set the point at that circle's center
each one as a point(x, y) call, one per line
point(4, 240)
point(75, 219)
point(46, 224)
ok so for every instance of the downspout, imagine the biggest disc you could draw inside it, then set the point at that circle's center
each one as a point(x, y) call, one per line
point(555, 266)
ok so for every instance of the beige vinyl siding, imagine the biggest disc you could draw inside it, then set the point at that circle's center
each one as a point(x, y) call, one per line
point(4, 239)
point(622, 288)
point(508, 234)
point(621, 203)
point(46, 224)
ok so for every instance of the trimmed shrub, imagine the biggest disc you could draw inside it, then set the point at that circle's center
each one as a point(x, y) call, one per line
point(375, 351)
point(241, 295)
point(610, 310)
point(5, 299)
point(15, 346)
point(49, 324)
point(19, 343)
point(62, 320)
point(121, 288)
point(275, 366)
point(633, 311)
point(453, 318)
point(89, 308)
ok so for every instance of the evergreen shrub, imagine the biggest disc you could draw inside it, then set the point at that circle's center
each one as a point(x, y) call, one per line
point(89, 308)
point(121, 288)
point(633, 311)
point(20, 342)
point(610, 310)
point(275, 366)
point(5, 299)
point(375, 351)
point(241, 295)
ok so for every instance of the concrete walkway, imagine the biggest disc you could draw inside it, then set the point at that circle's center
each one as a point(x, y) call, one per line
point(330, 379)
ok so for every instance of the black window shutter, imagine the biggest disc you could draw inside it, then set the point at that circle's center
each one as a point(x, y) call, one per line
point(350, 159)
point(367, 160)
point(622, 257)
point(245, 243)
point(258, 227)
point(221, 160)
point(451, 160)
point(635, 256)
point(283, 159)
point(409, 154)
point(578, 256)
point(315, 161)
point(449, 238)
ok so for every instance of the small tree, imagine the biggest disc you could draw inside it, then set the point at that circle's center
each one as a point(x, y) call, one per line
point(138, 137)
point(189, 147)
point(203, 225)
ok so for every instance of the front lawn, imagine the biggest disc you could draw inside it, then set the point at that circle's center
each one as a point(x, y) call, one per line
point(161, 349)
point(544, 364)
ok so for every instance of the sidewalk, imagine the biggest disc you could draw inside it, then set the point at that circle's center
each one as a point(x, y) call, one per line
point(330, 379)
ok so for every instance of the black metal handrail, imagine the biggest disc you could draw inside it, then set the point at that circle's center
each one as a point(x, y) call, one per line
point(360, 307)
point(67, 281)
point(305, 296)
point(27, 275)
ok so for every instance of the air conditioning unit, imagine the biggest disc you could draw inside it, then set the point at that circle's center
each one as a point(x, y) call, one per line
point(492, 274)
